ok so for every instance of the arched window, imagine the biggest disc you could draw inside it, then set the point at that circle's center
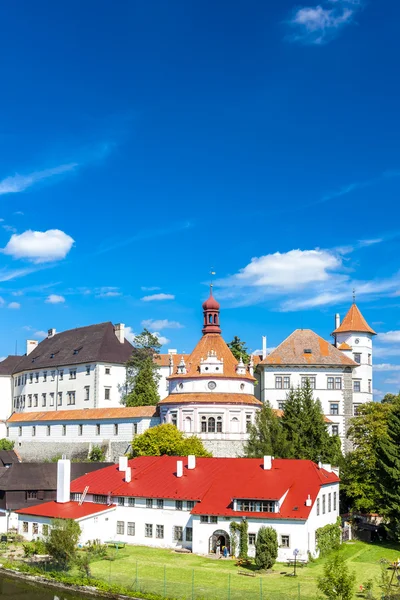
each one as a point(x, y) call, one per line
point(215, 318)
point(211, 425)
point(210, 318)
point(188, 424)
point(219, 424)
point(203, 425)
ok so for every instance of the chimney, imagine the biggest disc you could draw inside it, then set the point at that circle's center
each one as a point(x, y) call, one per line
point(264, 347)
point(267, 463)
point(327, 467)
point(308, 501)
point(31, 345)
point(119, 329)
point(123, 463)
point(172, 351)
point(51, 333)
point(63, 480)
point(337, 320)
point(128, 475)
point(191, 461)
point(179, 468)
point(319, 464)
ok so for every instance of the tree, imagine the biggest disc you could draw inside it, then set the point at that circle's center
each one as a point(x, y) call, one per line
point(267, 436)
point(166, 439)
point(388, 472)
point(337, 582)
point(266, 547)
point(142, 371)
point(62, 541)
point(239, 350)
point(390, 398)
point(6, 444)
point(145, 387)
point(358, 474)
point(304, 425)
point(97, 454)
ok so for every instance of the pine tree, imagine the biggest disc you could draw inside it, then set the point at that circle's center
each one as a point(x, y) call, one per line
point(145, 389)
point(267, 437)
point(266, 548)
point(291, 421)
point(388, 473)
point(239, 350)
point(142, 370)
point(337, 582)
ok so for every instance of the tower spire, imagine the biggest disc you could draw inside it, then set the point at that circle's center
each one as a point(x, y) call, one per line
point(211, 314)
point(354, 295)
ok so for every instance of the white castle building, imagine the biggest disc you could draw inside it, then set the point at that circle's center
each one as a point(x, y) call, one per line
point(65, 393)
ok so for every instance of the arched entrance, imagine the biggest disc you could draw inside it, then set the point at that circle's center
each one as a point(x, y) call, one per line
point(221, 538)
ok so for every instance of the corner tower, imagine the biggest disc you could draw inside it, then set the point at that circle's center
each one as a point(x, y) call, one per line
point(353, 336)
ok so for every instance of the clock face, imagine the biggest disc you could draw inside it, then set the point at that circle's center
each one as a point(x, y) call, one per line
point(212, 385)
point(357, 341)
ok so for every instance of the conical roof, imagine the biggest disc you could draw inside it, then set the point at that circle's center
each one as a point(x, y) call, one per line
point(354, 321)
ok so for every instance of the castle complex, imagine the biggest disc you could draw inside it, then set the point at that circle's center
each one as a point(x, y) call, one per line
point(64, 394)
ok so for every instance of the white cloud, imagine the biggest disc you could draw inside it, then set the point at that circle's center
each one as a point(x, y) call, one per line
point(150, 289)
point(9, 228)
point(158, 297)
point(378, 394)
point(383, 351)
point(14, 305)
point(109, 294)
point(386, 367)
point(40, 334)
point(55, 299)
point(130, 336)
point(390, 337)
point(2, 301)
point(18, 183)
point(17, 293)
point(322, 23)
point(158, 325)
point(39, 246)
point(19, 212)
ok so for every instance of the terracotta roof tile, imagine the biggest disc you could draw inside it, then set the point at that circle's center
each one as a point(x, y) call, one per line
point(211, 342)
point(293, 351)
point(344, 346)
point(354, 321)
point(162, 360)
point(211, 398)
point(88, 414)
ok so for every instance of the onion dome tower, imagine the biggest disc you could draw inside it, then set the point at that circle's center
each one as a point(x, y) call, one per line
point(211, 315)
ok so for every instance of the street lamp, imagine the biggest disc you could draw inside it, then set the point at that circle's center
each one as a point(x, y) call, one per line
point(295, 553)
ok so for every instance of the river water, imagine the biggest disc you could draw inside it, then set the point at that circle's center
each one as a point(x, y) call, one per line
point(14, 589)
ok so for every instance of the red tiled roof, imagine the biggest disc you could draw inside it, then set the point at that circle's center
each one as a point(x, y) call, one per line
point(155, 477)
point(208, 343)
point(87, 414)
point(354, 321)
point(65, 510)
point(344, 346)
point(292, 351)
point(210, 398)
point(162, 360)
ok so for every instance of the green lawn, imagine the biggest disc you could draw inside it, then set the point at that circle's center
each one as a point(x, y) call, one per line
point(174, 575)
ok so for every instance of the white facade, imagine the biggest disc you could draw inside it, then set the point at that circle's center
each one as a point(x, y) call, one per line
point(69, 387)
point(362, 353)
point(6, 403)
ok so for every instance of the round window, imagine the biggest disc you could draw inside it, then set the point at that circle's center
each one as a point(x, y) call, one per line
point(212, 385)
point(181, 386)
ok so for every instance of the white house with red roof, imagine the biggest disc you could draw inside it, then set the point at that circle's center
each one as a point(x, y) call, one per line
point(175, 502)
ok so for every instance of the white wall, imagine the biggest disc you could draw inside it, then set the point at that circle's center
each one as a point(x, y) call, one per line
point(363, 373)
point(58, 381)
point(199, 385)
point(6, 402)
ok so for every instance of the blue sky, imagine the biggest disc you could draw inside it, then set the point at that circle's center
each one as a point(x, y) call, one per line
point(144, 143)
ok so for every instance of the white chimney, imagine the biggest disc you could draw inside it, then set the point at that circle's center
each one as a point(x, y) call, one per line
point(30, 346)
point(51, 333)
point(123, 463)
point(267, 463)
point(191, 461)
point(172, 351)
point(119, 329)
point(319, 464)
point(308, 501)
point(264, 347)
point(337, 320)
point(179, 468)
point(327, 467)
point(128, 475)
point(63, 480)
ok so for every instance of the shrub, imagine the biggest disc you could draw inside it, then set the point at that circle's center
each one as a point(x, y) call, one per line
point(337, 582)
point(266, 548)
point(97, 454)
point(62, 541)
point(328, 538)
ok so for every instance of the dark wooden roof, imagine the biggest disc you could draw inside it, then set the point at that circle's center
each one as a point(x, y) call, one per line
point(40, 476)
point(8, 365)
point(94, 343)
point(8, 457)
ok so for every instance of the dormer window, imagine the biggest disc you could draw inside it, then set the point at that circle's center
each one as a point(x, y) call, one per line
point(268, 506)
point(307, 351)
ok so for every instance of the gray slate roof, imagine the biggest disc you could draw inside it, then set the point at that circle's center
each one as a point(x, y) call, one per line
point(8, 365)
point(40, 476)
point(94, 343)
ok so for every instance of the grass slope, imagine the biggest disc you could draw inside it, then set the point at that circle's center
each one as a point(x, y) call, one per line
point(219, 579)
